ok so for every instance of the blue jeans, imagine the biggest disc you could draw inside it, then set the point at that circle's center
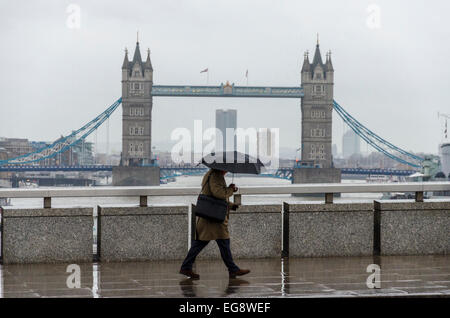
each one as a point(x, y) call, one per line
point(198, 246)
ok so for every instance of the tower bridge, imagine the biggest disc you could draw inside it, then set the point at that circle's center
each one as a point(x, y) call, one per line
point(316, 94)
point(167, 172)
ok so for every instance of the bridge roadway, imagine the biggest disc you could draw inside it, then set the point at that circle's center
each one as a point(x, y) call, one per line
point(166, 170)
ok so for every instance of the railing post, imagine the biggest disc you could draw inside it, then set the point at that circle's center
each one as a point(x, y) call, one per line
point(285, 230)
point(376, 228)
point(328, 197)
point(143, 201)
point(47, 202)
point(419, 196)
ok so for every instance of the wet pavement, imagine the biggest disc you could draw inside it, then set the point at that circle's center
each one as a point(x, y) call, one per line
point(294, 277)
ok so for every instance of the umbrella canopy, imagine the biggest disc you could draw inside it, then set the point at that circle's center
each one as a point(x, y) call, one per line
point(233, 161)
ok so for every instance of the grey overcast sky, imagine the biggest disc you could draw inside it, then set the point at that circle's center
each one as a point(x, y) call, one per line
point(394, 78)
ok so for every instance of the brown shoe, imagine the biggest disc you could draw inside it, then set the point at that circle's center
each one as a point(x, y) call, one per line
point(189, 273)
point(239, 273)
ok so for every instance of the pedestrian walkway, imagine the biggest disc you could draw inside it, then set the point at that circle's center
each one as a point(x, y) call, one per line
point(294, 277)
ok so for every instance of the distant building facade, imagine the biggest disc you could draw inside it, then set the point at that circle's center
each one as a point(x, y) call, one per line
point(15, 147)
point(3, 156)
point(226, 118)
point(351, 144)
point(38, 145)
point(79, 154)
point(84, 153)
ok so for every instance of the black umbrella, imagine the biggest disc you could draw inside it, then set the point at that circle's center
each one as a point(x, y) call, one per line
point(233, 161)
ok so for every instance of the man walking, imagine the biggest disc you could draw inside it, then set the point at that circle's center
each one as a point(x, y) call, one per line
point(213, 184)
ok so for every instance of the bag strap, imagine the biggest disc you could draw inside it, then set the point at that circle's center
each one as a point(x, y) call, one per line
point(207, 181)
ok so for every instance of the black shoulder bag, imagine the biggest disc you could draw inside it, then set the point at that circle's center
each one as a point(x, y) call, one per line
point(211, 208)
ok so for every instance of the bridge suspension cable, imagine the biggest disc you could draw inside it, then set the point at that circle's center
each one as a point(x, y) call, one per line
point(376, 141)
point(64, 143)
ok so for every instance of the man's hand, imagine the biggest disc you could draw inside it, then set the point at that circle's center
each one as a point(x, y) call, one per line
point(233, 186)
point(234, 207)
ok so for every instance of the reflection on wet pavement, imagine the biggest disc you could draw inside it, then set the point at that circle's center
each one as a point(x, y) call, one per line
point(294, 277)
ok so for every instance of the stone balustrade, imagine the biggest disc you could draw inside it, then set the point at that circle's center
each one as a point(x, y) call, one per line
point(157, 232)
point(413, 228)
point(47, 235)
point(337, 229)
point(255, 232)
point(135, 233)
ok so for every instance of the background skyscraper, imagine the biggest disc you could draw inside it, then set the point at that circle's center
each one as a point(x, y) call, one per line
point(350, 144)
point(265, 142)
point(226, 118)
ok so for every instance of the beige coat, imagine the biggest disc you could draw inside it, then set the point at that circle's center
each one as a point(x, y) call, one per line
point(207, 230)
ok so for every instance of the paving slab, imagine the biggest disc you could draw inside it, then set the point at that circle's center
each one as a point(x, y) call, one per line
point(401, 276)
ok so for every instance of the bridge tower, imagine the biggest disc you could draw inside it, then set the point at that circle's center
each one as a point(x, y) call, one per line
point(137, 81)
point(317, 109)
point(136, 161)
point(317, 80)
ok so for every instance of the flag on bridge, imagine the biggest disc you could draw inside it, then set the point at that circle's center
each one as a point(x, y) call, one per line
point(246, 74)
point(205, 70)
